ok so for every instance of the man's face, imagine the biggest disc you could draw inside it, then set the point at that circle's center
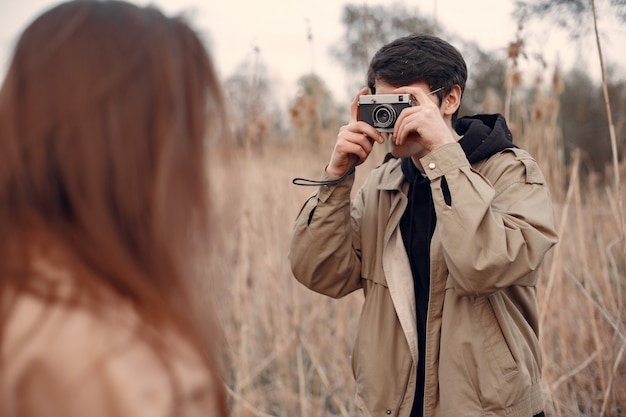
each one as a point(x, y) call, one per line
point(411, 148)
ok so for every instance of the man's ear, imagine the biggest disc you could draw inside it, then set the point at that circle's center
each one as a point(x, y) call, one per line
point(452, 100)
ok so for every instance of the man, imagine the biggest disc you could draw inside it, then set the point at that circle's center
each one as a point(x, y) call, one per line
point(445, 241)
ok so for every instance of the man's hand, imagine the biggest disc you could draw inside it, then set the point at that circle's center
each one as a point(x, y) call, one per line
point(425, 119)
point(355, 140)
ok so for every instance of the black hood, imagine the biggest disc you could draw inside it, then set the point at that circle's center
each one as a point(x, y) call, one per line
point(484, 135)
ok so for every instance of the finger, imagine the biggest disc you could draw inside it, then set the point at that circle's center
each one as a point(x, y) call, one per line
point(406, 131)
point(356, 143)
point(421, 96)
point(405, 124)
point(366, 129)
point(370, 132)
point(362, 140)
point(354, 107)
point(350, 150)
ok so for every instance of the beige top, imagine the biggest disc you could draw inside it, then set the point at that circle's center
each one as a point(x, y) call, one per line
point(67, 361)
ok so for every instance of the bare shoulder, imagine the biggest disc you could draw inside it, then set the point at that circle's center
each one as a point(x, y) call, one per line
point(62, 360)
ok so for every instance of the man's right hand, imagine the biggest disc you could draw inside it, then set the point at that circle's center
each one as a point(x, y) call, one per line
point(355, 140)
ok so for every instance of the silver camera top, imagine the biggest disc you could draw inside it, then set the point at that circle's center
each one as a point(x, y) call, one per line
point(386, 99)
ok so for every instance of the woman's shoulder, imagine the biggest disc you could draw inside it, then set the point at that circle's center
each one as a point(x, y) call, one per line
point(79, 361)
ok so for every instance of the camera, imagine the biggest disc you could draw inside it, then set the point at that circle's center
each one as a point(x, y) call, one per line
point(382, 110)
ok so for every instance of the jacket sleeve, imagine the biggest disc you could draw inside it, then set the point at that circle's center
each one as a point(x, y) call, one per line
point(324, 252)
point(494, 231)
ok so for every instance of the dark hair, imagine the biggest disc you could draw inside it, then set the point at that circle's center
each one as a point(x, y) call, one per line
point(104, 117)
point(419, 57)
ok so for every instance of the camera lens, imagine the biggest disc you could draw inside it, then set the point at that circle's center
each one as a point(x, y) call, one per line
point(384, 116)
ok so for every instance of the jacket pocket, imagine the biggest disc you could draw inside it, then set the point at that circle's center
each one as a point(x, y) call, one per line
point(497, 349)
point(480, 328)
point(496, 346)
point(483, 371)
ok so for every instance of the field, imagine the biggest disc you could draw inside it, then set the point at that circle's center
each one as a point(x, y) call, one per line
point(287, 350)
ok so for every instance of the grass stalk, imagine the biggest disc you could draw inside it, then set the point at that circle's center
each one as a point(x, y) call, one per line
point(612, 136)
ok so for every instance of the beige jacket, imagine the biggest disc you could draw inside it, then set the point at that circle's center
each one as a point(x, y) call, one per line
point(66, 361)
point(482, 351)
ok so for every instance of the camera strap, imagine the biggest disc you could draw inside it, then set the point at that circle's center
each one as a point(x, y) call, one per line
point(314, 183)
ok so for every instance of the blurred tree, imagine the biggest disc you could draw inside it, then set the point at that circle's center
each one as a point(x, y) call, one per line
point(579, 18)
point(575, 16)
point(486, 83)
point(583, 117)
point(368, 28)
point(254, 113)
point(314, 112)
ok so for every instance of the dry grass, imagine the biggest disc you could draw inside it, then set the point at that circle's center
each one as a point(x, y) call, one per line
point(287, 350)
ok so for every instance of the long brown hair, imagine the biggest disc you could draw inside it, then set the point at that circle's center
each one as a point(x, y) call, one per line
point(104, 118)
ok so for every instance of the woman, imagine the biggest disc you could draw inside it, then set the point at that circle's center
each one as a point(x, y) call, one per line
point(104, 116)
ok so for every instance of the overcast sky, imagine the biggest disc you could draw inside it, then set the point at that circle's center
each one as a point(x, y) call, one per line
point(278, 28)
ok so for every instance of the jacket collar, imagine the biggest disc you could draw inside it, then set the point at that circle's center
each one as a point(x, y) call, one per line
point(393, 178)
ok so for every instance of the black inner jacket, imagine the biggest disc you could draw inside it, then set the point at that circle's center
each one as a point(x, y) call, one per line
point(483, 136)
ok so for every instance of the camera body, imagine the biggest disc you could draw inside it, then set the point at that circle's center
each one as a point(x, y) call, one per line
point(382, 110)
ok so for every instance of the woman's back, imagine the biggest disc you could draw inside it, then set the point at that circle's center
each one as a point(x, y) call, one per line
point(105, 112)
point(65, 359)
